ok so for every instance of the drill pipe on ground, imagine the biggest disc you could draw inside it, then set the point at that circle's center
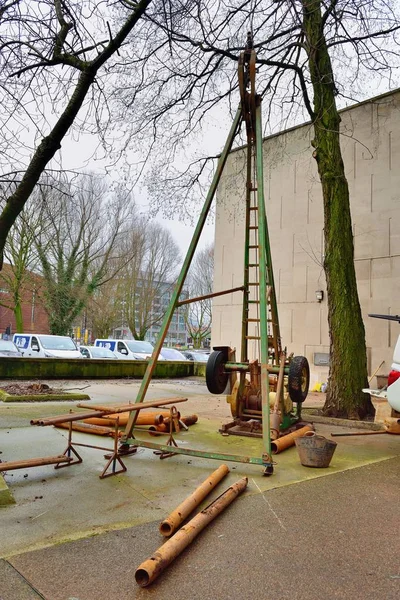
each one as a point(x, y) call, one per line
point(189, 420)
point(119, 408)
point(158, 429)
point(145, 418)
point(287, 441)
point(151, 568)
point(174, 519)
point(103, 411)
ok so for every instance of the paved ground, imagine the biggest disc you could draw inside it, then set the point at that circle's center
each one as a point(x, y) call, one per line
point(334, 534)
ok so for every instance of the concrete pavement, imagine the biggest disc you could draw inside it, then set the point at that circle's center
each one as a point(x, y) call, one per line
point(71, 535)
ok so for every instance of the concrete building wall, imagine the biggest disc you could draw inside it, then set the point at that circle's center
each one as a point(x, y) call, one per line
point(371, 151)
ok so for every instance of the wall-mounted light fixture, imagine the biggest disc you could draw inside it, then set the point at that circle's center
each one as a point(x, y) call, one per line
point(319, 294)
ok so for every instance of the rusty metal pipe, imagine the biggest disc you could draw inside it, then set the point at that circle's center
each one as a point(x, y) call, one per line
point(110, 409)
point(68, 417)
point(189, 420)
point(287, 441)
point(89, 428)
point(158, 429)
point(12, 465)
point(172, 522)
point(151, 568)
point(147, 418)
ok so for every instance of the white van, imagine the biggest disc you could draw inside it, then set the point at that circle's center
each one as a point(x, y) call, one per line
point(129, 349)
point(36, 345)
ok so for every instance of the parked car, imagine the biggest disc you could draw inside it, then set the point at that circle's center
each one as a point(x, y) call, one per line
point(172, 354)
point(196, 355)
point(8, 348)
point(97, 352)
point(128, 349)
point(392, 394)
point(46, 346)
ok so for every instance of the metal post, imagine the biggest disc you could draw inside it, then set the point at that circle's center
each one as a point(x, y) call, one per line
point(182, 276)
point(263, 245)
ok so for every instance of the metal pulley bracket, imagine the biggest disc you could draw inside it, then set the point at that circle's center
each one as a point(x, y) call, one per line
point(247, 89)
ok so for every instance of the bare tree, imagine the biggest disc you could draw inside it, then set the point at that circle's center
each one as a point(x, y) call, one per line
point(149, 275)
point(79, 245)
point(55, 58)
point(20, 254)
point(310, 52)
point(200, 283)
point(177, 60)
point(104, 310)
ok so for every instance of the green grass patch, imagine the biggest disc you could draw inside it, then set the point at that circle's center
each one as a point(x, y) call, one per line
point(53, 397)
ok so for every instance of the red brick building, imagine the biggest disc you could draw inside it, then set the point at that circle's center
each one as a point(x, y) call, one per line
point(34, 316)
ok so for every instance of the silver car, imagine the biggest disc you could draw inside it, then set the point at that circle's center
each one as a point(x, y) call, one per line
point(97, 352)
point(8, 348)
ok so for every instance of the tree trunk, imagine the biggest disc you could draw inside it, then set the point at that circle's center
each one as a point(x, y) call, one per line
point(19, 321)
point(348, 363)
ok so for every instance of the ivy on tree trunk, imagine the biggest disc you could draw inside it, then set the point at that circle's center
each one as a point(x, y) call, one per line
point(348, 362)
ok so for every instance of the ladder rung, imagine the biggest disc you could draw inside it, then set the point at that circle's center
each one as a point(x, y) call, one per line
point(253, 246)
point(253, 207)
point(253, 337)
point(253, 283)
point(254, 265)
point(254, 302)
point(253, 189)
point(253, 320)
point(253, 227)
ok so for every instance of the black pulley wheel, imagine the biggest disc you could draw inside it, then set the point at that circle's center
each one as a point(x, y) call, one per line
point(299, 378)
point(216, 377)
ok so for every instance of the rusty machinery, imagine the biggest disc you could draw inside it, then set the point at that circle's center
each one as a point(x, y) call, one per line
point(264, 388)
point(272, 377)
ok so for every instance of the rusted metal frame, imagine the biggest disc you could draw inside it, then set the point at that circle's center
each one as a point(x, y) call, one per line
point(264, 257)
point(185, 267)
point(69, 450)
point(252, 460)
point(114, 459)
point(103, 411)
point(173, 424)
point(207, 296)
point(149, 570)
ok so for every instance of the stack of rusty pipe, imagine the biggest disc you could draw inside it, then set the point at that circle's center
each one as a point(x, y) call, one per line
point(151, 568)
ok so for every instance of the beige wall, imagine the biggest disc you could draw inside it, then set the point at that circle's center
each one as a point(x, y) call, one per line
point(371, 152)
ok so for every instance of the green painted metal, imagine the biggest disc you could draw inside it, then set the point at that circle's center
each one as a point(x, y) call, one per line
point(264, 280)
point(185, 267)
point(253, 460)
point(232, 366)
point(245, 312)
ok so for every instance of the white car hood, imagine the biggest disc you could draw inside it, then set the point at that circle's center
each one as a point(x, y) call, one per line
point(62, 353)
